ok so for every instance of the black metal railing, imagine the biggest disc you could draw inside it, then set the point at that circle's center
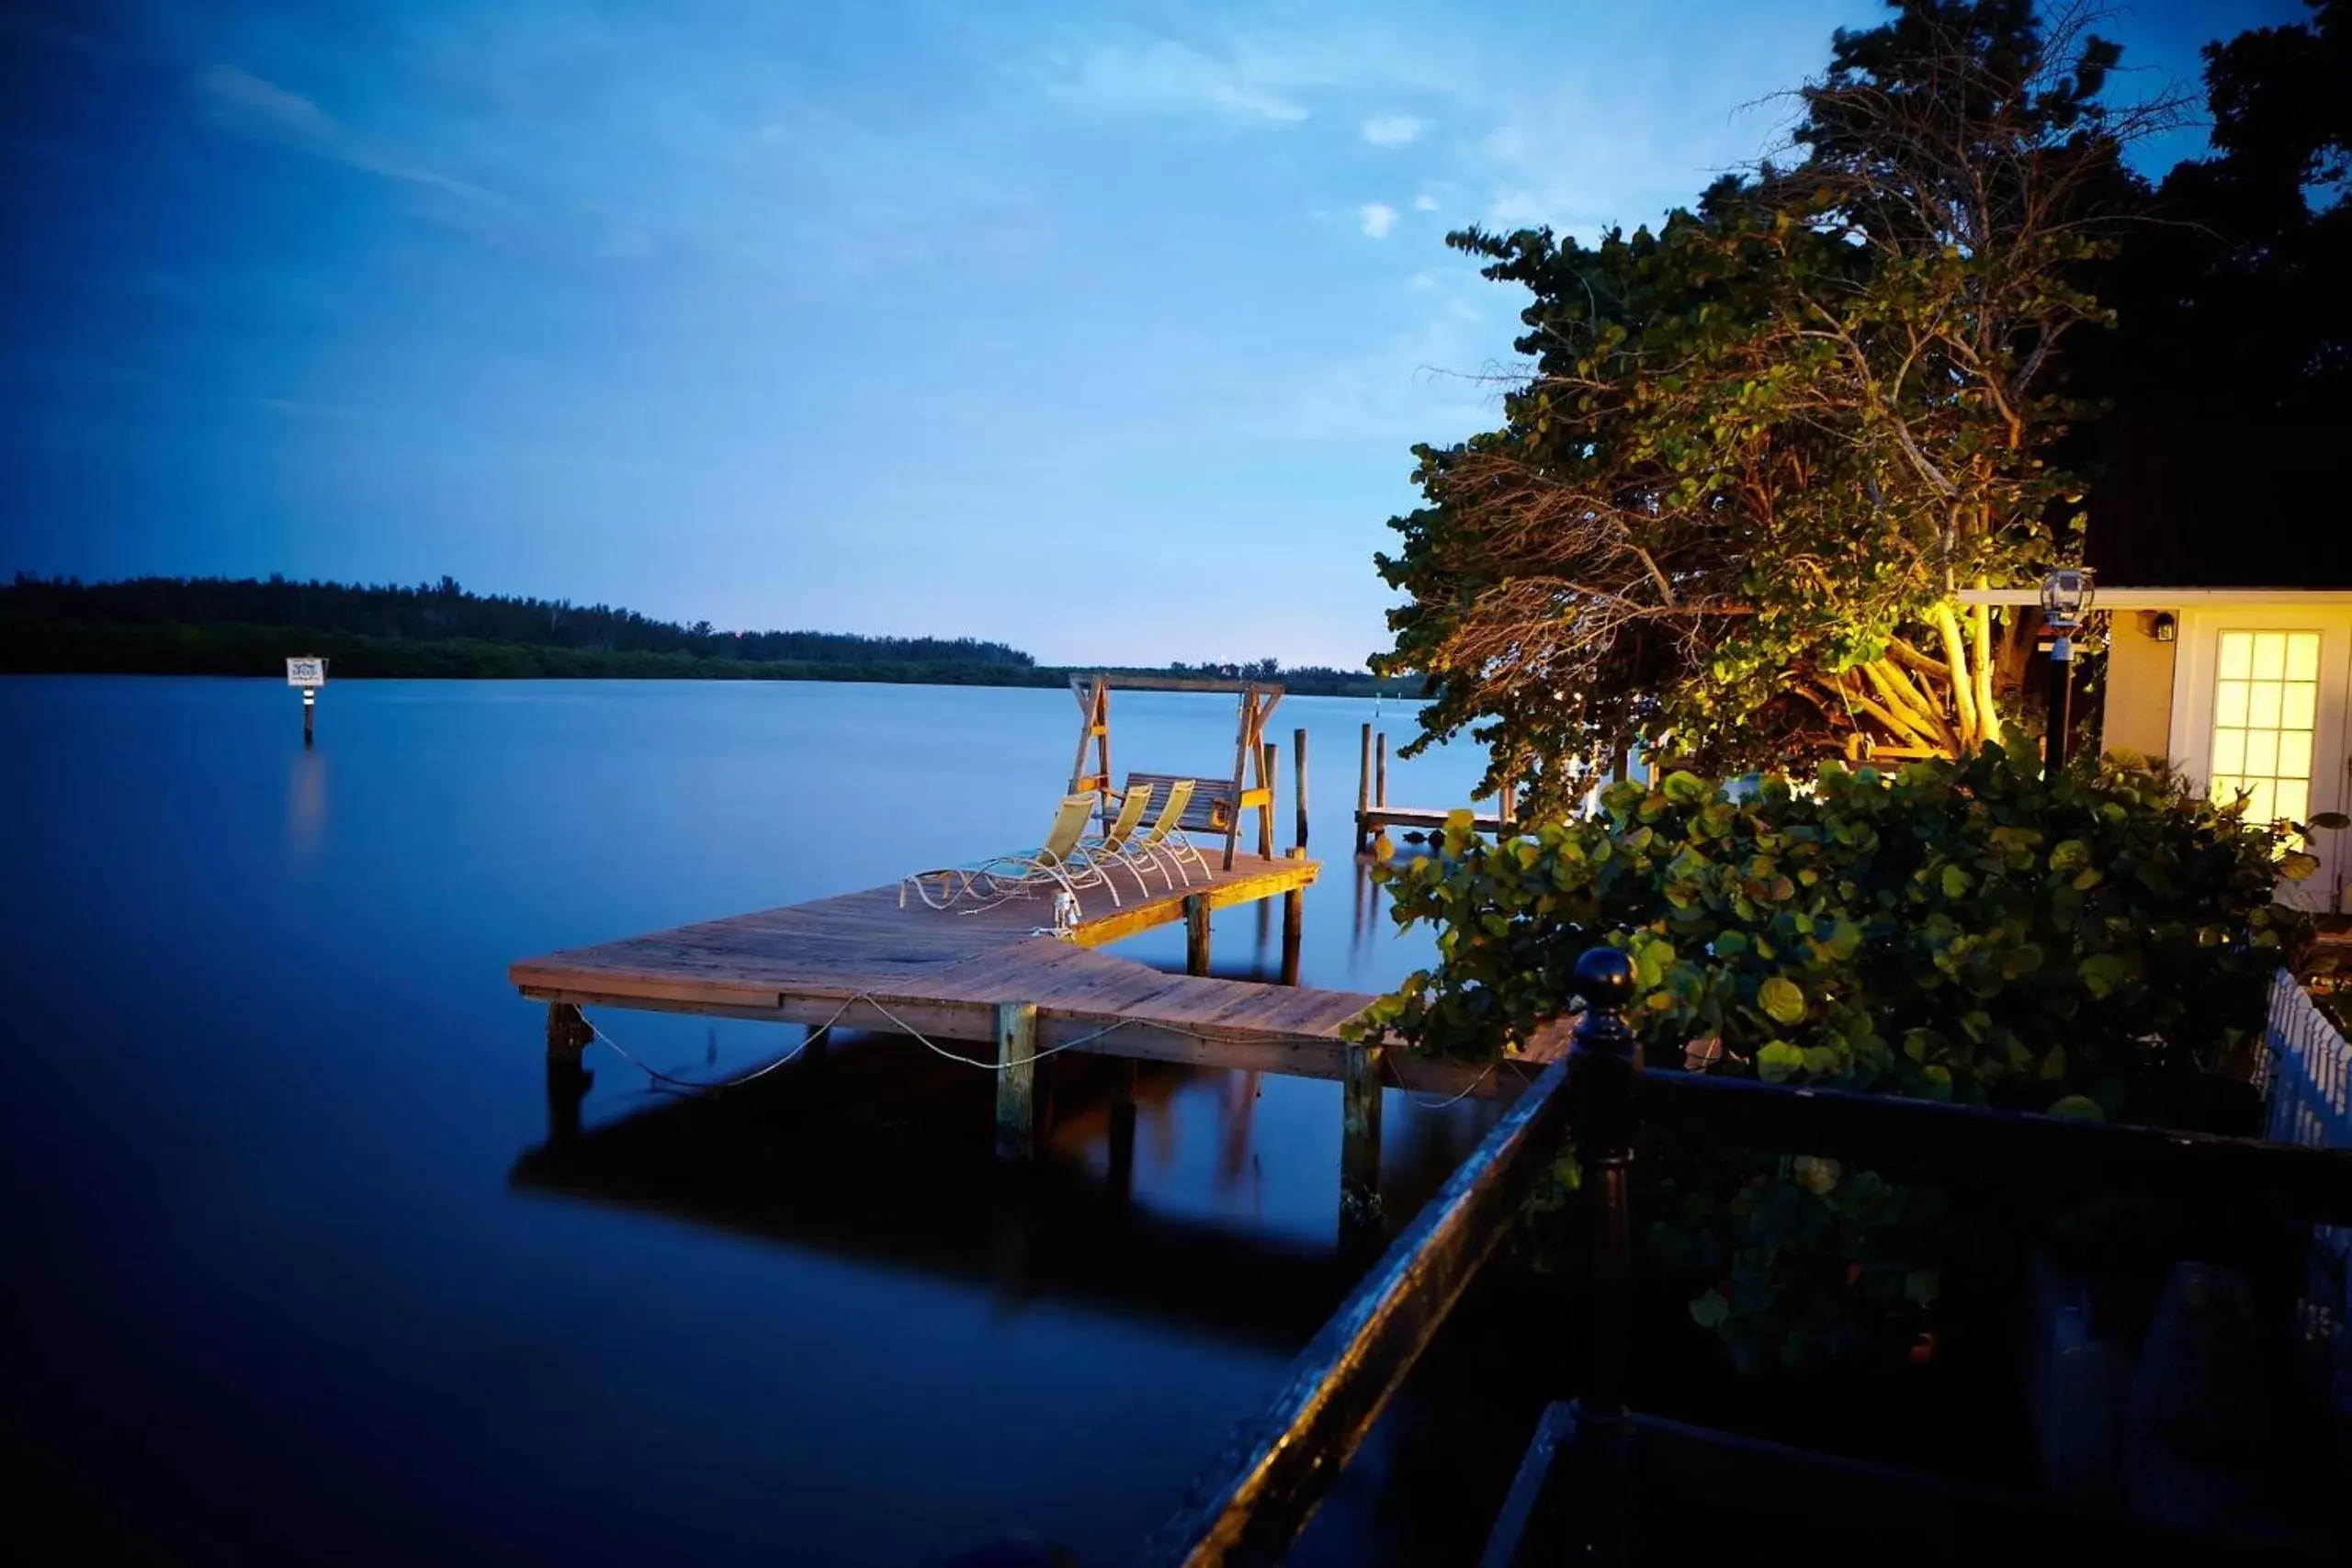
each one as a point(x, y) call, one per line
point(1250, 1503)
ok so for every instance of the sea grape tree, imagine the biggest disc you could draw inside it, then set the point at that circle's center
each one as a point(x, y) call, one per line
point(1763, 445)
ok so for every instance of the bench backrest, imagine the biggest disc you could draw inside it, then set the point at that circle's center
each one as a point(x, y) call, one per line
point(1211, 811)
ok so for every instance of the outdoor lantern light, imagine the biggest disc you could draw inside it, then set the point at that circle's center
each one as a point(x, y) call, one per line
point(2066, 596)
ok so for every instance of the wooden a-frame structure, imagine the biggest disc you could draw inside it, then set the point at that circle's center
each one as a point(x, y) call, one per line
point(1217, 805)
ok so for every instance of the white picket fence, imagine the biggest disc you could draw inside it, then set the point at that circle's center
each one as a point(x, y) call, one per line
point(2307, 1070)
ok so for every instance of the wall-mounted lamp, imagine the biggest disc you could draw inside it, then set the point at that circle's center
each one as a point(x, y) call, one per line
point(2161, 625)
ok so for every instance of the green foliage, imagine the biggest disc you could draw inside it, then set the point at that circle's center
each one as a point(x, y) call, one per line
point(1796, 1262)
point(1955, 930)
point(2232, 308)
point(2095, 948)
point(1765, 440)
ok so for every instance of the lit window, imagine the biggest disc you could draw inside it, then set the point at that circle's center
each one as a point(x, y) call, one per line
point(2265, 705)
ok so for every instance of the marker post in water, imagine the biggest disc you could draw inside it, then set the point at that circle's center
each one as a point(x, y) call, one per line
point(309, 674)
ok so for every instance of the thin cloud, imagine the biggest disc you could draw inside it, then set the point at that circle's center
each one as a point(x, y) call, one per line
point(252, 105)
point(244, 102)
point(1425, 202)
point(1162, 77)
point(1394, 130)
point(1377, 218)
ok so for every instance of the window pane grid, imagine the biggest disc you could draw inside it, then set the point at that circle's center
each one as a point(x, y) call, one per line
point(2265, 701)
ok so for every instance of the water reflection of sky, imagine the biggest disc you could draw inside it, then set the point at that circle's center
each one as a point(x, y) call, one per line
point(304, 1273)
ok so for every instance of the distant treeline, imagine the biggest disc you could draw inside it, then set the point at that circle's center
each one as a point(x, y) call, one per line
point(444, 611)
point(163, 625)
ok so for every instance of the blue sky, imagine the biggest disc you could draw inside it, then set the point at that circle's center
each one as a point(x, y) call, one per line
point(1103, 330)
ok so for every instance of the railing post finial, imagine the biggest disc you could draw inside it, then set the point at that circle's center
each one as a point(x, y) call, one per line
point(1604, 1070)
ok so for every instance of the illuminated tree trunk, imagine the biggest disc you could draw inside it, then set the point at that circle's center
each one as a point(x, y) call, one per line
point(1911, 703)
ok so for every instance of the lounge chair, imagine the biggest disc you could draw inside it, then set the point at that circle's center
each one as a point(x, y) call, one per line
point(1118, 844)
point(1165, 842)
point(1059, 862)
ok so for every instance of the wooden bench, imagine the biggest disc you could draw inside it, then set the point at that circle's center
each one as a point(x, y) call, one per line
point(1212, 809)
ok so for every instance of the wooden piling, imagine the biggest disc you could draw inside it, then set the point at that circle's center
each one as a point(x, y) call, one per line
point(309, 715)
point(1298, 778)
point(1270, 758)
point(1197, 934)
point(567, 1034)
point(1294, 921)
point(1360, 1140)
point(1380, 769)
point(1016, 1054)
point(1363, 792)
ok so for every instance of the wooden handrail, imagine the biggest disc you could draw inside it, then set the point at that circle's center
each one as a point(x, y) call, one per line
point(1249, 1504)
point(2197, 1169)
point(1252, 1500)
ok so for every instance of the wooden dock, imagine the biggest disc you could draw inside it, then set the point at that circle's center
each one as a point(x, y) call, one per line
point(1375, 816)
point(874, 961)
point(1374, 820)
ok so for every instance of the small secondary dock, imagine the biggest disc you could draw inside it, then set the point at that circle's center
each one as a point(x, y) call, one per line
point(1375, 816)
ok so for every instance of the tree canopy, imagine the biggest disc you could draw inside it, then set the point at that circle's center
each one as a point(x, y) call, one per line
point(1763, 444)
point(2232, 302)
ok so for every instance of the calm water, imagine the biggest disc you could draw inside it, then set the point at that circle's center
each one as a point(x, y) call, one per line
point(292, 1273)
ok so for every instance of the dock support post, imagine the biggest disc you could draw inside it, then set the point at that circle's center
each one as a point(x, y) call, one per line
point(1016, 1104)
point(1360, 1144)
point(1196, 934)
point(1269, 764)
point(567, 1034)
point(1298, 778)
point(1380, 769)
point(1294, 921)
point(1363, 792)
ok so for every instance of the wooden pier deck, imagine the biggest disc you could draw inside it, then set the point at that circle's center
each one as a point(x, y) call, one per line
point(867, 960)
point(1374, 820)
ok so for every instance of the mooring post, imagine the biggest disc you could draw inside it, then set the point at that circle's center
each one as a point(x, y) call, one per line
point(1293, 921)
point(1360, 1143)
point(1380, 770)
point(567, 1034)
point(1298, 779)
point(1363, 794)
point(1604, 1070)
point(1270, 761)
point(1016, 1105)
point(1196, 934)
point(310, 714)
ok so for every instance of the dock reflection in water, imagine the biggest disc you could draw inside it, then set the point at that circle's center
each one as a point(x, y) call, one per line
point(870, 1149)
